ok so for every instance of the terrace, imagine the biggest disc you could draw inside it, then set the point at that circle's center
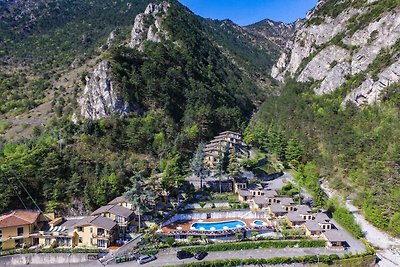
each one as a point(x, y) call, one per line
point(184, 229)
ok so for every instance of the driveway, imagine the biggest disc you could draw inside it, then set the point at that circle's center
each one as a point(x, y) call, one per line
point(168, 257)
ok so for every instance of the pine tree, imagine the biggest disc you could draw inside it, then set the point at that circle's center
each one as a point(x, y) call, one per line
point(233, 167)
point(140, 194)
point(197, 164)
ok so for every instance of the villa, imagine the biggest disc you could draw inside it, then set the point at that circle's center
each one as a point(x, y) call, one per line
point(122, 201)
point(335, 239)
point(121, 215)
point(213, 150)
point(17, 229)
point(87, 231)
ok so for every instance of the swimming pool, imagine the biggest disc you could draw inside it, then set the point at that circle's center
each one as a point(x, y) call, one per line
point(212, 226)
point(259, 223)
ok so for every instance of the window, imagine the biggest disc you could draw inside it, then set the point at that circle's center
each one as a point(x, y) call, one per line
point(101, 243)
point(47, 241)
point(91, 230)
point(91, 240)
point(1, 246)
point(1, 233)
point(20, 231)
point(80, 229)
point(80, 240)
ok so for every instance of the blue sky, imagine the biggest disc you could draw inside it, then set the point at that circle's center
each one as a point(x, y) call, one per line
point(245, 12)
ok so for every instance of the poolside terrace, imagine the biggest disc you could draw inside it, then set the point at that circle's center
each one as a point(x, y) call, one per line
point(186, 229)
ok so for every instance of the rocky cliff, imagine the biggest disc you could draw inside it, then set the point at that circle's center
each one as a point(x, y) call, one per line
point(278, 32)
point(342, 41)
point(100, 98)
point(147, 25)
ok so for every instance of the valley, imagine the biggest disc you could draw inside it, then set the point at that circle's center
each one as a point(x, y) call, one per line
point(143, 107)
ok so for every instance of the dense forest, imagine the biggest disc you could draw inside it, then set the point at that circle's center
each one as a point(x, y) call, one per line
point(354, 148)
point(185, 89)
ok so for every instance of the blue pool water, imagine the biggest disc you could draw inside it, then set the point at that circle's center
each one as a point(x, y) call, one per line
point(218, 225)
point(259, 223)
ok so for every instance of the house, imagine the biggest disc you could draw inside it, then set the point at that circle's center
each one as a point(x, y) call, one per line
point(335, 238)
point(245, 195)
point(122, 201)
point(324, 221)
point(60, 232)
point(256, 189)
point(259, 203)
point(84, 231)
point(17, 229)
point(286, 202)
point(305, 212)
point(239, 183)
point(213, 150)
point(312, 228)
point(271, 196)
point(294, 219)
point(277, 210)
point(121, 215)
point(96, 231)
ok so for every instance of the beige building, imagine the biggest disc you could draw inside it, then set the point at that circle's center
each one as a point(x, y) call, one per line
point(122, 201)
point(17, 229)
point(217, 146)
point(119, 214)
point(85, 231)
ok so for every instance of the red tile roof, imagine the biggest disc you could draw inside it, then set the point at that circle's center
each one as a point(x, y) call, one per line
point(18, 217)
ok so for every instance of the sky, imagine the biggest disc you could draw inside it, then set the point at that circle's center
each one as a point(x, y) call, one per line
point(246, 12)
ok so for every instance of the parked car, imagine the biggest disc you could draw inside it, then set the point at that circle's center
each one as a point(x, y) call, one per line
point(183, 255)
point(200, 255)
point(146, 258)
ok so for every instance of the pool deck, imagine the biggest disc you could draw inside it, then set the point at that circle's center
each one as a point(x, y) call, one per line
point(185, 226)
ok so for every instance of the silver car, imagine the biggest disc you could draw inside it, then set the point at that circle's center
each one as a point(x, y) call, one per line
point(146, 258)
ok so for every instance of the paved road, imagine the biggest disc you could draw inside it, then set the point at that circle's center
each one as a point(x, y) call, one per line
point(389, 252)
point(169, 257)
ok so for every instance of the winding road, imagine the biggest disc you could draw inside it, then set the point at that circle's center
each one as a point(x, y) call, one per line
point(388, 247)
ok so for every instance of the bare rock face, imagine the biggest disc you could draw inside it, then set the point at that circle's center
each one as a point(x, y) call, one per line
point(147, 25)
point(370, 90)
point(99, 98)
point(333, 61)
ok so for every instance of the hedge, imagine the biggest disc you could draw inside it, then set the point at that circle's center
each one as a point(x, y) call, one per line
point(328, 259)
point(50, 250)
point(258, 245)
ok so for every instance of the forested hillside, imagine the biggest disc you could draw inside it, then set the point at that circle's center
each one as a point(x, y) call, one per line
point(180, 89)
point(340, 99)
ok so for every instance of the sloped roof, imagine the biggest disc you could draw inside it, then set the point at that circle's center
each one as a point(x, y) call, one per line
point(244, 193)
point(18, 218)
point(277, 208)
point(294, 217)
point(98, 221)
point(114, 209)
point(260, 200)
point(335, 236)
point(270, 193)
point(118, 200)
point(322, 218)
point(240, 180)
point(286, 201)
point(303, 209)
point(312, 225)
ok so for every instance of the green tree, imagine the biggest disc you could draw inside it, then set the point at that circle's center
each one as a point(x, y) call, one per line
point(197, 163)
point(294, 152)
point(141, 195)
point(233, 167)
point(173, 175)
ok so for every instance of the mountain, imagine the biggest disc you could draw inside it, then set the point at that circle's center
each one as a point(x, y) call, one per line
point(340, 99)
point(347, 40)
point(278, 32)
point(95, 91)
